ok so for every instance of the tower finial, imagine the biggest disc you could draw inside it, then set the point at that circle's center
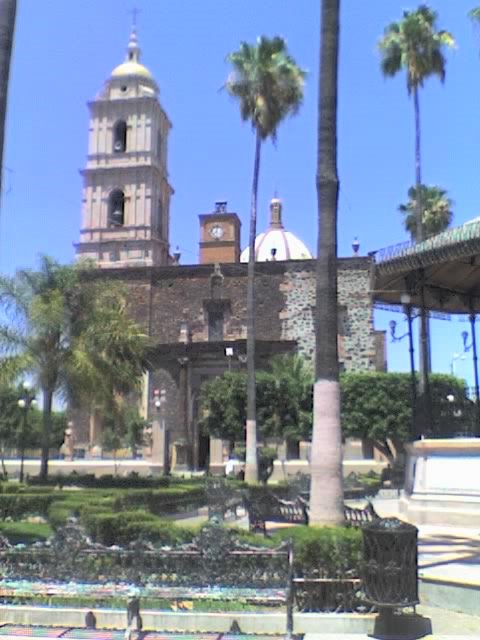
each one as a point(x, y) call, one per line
point(276, 212)
point(133, 50)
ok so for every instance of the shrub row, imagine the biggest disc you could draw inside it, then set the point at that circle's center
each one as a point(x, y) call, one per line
point(326, 552)
point(88, 480)
point(18, 505)
point(128, 526)
point(162, 501)
point(25, 532)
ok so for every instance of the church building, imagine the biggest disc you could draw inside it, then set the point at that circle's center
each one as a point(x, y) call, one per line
point(196, 313)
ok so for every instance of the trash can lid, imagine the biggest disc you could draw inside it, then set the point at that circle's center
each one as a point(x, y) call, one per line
point(390, 525)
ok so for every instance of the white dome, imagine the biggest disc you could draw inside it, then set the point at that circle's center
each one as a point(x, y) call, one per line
point(285, 245)
point(275, 243)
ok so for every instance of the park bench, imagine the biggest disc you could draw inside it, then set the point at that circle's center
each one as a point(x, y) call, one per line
point(222, 498)
point(356, 517)
point(264, 506)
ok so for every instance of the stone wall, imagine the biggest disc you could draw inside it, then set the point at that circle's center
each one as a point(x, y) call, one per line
point(356, 334)
point(173, 303)
point(168, 301)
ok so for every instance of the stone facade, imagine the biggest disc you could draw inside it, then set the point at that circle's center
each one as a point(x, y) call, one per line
point(193, 312)
point(356, 334)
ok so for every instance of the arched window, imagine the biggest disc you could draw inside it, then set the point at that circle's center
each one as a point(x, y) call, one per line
point(120, 136)
point(116, 209)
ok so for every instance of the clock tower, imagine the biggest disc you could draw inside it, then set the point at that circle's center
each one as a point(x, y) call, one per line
point(126, 191)
point(219, 236)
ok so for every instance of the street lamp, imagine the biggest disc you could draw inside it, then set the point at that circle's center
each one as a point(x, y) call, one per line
point(405, 299)
point(229, 354)
point(68, 440)
point(25, 402)
point(455, 357)
point(473, 346)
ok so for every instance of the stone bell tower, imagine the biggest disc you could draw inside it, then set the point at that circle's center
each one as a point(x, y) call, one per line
point(126, 192)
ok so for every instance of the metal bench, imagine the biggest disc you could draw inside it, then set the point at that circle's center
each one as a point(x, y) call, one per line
point(222, 498)
point(267, 507)
point(356, 517)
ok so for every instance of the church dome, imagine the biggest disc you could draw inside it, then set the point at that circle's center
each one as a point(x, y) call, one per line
point(275, 243)
point(132, 66)
point(131, 69)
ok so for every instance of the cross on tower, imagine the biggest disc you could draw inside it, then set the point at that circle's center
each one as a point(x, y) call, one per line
point(134, 13)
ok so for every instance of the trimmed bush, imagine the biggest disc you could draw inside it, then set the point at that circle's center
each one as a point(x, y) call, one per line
point(162, 501)
point(327, 552)
point(122, 528)
point(89, 481)
point(25, 532)
point(18, 505)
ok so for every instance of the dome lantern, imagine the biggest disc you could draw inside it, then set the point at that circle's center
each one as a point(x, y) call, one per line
point(276, 243)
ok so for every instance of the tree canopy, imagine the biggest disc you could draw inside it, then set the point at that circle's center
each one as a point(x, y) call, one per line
point(437, 214)
point(267, 83)
point(70, 332)
point(415, 44)
point(376, 406)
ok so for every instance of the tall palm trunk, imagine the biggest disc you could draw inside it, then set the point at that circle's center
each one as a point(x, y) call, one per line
point(251, 462)
point(326, 503)
point(8, 10)
point(46, 429)
point(424, 346)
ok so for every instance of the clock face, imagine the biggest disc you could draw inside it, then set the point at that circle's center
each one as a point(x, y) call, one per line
point(217, 231)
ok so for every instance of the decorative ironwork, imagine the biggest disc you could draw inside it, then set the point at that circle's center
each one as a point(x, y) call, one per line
point(215, 564)
point(436, 315)
point(454, 243)
point(390, 563)
point(328, 595)
point(222, 498)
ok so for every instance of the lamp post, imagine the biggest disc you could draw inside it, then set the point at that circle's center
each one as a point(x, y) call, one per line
point(25, 402)
point(473, 346)
point(160, 434)
point(455, 357)
point(407, 308)
point(229, 354)
point(68, 440)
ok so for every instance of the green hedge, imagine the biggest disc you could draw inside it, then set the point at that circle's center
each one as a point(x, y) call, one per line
point(330, 551)
point(18, 505)
point(162, 501)
point(88, 480)
point(25, 532)
point(122, 528)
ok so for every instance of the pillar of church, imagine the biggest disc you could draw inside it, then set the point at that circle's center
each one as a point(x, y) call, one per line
point(160, 439)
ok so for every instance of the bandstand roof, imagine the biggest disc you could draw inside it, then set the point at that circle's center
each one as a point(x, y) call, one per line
point(451, 269)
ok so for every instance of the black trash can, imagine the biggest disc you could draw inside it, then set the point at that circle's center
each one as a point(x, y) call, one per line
point(390, 563)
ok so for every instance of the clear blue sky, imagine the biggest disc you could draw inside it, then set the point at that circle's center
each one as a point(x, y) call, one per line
point(65, 49)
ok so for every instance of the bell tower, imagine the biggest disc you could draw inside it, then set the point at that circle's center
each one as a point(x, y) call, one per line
point(126, 192)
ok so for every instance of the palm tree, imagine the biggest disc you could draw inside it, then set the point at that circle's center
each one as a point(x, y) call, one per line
point(8, 9)
point(71, 334)
point(415, 44)
point(269, 87)
point(437, 214)
point(326, 498)
point(474, 14)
